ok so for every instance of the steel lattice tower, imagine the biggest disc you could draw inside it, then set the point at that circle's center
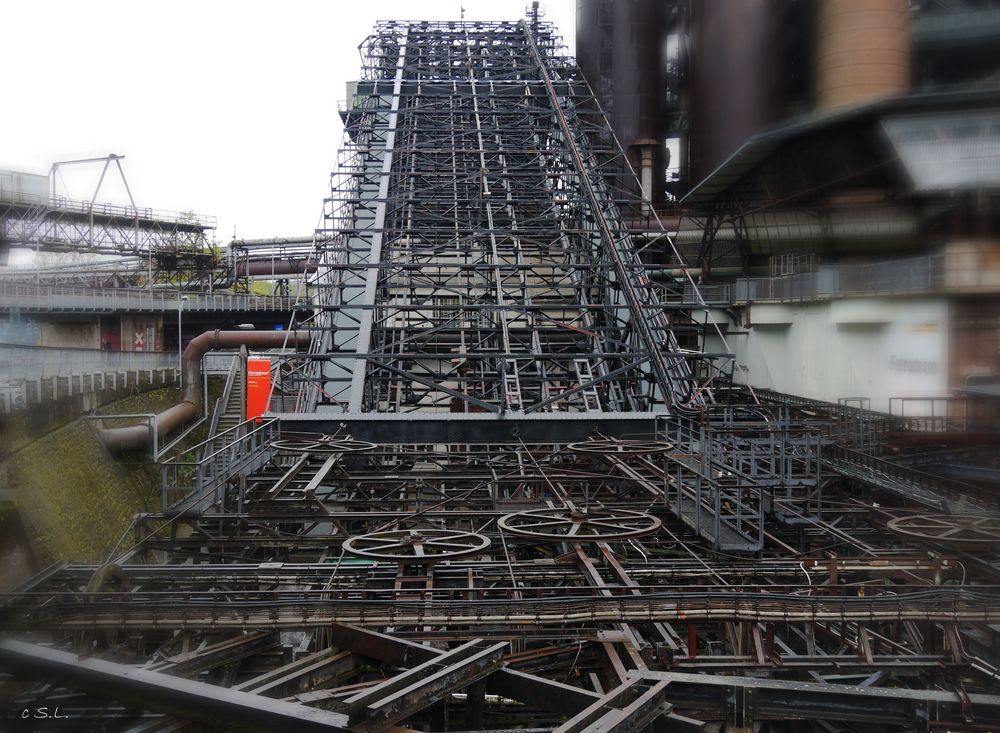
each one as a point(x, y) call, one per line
point(477, 258)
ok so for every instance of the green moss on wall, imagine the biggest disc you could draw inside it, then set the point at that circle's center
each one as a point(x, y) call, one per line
point(73, 497)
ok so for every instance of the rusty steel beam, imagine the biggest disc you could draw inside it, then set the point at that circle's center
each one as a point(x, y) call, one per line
point(187, 699)
point(529, 689)
point(754, 699)
point(943, 604)
point(216, 655)
point(415, 689)
point(628, 708)
point(310, 671)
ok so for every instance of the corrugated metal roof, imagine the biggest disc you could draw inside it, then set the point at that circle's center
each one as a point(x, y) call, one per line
point(758, 148)
point(951, 151)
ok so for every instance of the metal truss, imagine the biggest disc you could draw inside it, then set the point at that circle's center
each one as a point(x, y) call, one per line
point(182, 272)
point(381, 585)
point(64, 225)
point(128, 245)
point(516, 494)
point(729, 473)
point(477, 257)
point(188, 269)
point(122, 272)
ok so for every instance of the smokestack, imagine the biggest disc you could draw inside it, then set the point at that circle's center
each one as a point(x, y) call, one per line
point(863, 51)
point(620, 49)
point(734, 77)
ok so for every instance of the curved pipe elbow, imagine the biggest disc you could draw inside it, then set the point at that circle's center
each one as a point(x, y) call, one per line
point(118, 440)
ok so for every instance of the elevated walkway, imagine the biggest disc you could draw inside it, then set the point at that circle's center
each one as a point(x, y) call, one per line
point(56, 299)
point(60, 224)
point(936, 492)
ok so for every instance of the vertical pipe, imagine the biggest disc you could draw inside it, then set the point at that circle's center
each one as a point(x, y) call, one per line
point(180, 341)
point(734, 78)
point(620, 49)
point(646, 174)
point(862, 51)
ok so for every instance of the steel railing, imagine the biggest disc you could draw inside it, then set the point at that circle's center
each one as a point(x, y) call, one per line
point(911, 276)
point(223, 401)
point(928, 489)
point(20, 363)
point(28, 296)
point(194, 479)
point(120, 211)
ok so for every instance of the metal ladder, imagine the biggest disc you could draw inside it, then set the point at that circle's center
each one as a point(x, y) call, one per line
point(591, 402)
point(512, 388)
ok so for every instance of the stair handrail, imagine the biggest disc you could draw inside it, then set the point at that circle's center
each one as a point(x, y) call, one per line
point(223, 401)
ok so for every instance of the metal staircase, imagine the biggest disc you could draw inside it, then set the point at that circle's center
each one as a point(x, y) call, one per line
point(230, 408)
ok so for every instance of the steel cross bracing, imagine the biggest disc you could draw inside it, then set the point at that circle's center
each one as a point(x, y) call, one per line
point(476, 257)
point(59, 224)
point(489, 586)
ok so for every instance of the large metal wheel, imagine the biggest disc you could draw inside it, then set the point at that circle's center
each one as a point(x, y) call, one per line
point(413, 546)
point(593, 525)
point(320, 444)
point(610, 447)
point(949, 529)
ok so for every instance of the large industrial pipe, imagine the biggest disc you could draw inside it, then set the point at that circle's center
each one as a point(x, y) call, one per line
point(273, 241)
point(863, 51)
point(620, 48)
point(735, 86)
point(682, 273)
point(277, 267)
point(121, 439)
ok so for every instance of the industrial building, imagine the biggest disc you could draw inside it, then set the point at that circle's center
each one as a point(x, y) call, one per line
point(540, 430)
point(833, 183)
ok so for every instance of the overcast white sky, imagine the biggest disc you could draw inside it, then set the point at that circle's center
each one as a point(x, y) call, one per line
point(224, 108)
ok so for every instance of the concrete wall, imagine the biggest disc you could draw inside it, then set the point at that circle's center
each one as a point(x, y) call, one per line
point(20, 330)
point(142, 333)
point(860, 347)
point(135, 332)
point(72, 334)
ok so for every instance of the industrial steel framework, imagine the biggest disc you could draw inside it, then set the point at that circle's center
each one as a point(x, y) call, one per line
point(476, 586)
point(64, 225)
point(516, 494)
point(477, 258)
